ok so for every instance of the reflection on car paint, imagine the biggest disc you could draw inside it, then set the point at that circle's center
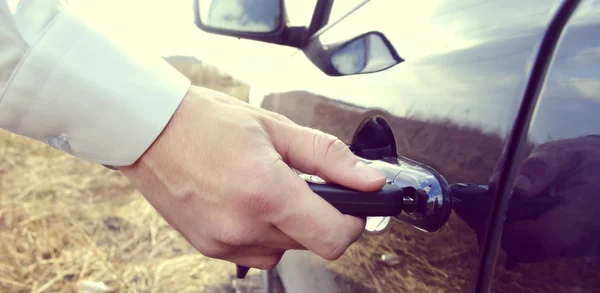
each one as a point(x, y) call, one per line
point(450, 105)
point(559, 251)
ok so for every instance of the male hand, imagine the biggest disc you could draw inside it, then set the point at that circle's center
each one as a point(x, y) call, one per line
point(220, 174)
point(572, 168)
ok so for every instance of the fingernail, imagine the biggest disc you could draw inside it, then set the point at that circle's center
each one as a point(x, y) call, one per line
point(368, 173)
point(523, 184)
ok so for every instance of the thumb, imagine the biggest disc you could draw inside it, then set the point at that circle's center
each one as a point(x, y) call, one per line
point(315, 152)
point(537, 173)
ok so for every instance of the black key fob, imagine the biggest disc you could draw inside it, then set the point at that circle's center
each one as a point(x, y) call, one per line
point(389, 201)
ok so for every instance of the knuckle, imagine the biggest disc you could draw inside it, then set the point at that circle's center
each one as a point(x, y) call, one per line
point(260, 201)
point(333, 250)
point(280, 117)
point(263, 204)
point(251, 128)
point(267, 263)
point(264, 168)
point(216, 251)
point(263, 196)
point(234, 236)
point(330, 146)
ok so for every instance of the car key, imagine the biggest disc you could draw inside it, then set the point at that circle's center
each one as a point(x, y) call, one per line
point(390, 200)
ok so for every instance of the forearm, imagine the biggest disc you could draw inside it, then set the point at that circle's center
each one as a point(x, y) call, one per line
point(73, 82)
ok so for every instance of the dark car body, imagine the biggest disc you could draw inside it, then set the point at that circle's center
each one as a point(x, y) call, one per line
point(473, 101)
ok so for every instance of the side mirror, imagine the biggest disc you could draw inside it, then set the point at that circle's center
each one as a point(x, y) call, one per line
point(367, 53)
point(260, 20)
point(241, 16)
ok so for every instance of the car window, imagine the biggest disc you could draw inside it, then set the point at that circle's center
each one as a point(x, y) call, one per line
point(450, 105)
point(557, 251)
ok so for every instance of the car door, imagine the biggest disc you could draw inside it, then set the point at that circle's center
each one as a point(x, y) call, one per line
point(558, 252)
point(450, 105)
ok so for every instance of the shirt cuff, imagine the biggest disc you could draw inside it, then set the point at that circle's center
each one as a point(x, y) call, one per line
point(108, 101)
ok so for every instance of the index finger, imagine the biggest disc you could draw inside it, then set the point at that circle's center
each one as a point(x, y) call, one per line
point(314, 223)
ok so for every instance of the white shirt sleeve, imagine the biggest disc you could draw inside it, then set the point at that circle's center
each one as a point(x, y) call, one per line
point(66, 84)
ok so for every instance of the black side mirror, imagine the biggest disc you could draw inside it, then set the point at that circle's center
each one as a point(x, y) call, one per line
point(367, 53)
point(254, 17)
point(260, 20)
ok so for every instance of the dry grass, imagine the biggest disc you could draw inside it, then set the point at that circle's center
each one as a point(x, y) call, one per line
point(63, 220)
